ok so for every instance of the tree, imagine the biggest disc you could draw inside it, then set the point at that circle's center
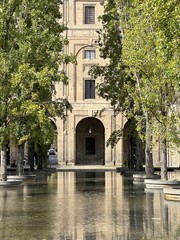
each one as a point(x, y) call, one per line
point(150, 49)
point(143, 51)
point(116, 83)
point(113, 73)
point(31, 52)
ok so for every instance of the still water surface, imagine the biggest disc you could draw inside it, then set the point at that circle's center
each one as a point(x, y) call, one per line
point(86, 206)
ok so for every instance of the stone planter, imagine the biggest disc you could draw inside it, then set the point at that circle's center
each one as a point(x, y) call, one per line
point(172, 194)
point(11, 183)
point(160, 184)
point(139, 178)
point(22, 178)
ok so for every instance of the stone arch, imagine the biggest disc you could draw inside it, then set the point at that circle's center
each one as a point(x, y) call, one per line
point(90, 142)
point(133, 148)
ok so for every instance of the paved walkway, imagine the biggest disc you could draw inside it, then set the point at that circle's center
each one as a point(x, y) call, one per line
point(84, 168)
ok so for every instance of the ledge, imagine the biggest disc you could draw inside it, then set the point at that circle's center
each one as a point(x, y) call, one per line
point(140, 178)
point(10, 183)
point(23, 177)
point(160, 184)
point(172, 194)
point(85, 168)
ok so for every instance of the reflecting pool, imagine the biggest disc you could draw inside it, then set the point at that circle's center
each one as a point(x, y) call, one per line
point(87, 206)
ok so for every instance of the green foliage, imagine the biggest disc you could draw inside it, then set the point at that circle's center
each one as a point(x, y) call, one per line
point(141, 41)
point(31, 51)
point(153, 63)
point(113, 75)
point(114, 138)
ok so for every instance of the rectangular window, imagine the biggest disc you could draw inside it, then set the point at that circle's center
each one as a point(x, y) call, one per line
point(89, 54)
point(90, 146)
point(89, 15)
point(89, 89)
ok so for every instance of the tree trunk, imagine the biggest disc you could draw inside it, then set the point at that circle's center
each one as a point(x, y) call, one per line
point(139, 157)
point(130, 165)
point(39, 157)
point(163, 160)
point(149, 160)
point(20, 169)
point(31, 155)
point(3, 176)
point(148, 150)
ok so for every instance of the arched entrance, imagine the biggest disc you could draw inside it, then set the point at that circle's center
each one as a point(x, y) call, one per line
point(133, 148)
point(90, 142)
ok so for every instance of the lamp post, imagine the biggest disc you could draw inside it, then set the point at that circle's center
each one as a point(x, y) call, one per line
point(75, 82)
point(75, 68)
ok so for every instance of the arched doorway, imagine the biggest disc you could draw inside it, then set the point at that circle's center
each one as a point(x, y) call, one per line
point(90, 142)
point(133, 147)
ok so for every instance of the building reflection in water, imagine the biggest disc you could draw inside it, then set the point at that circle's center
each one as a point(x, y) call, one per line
point(87, 206)
point(108, 206)
point(90, 200)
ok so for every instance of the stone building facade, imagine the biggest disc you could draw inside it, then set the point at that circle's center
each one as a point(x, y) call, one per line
point(82, 137)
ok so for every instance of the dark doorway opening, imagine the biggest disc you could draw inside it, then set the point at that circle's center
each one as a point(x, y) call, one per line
point(90, 146)
point(90, 142)
point(133, 147)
